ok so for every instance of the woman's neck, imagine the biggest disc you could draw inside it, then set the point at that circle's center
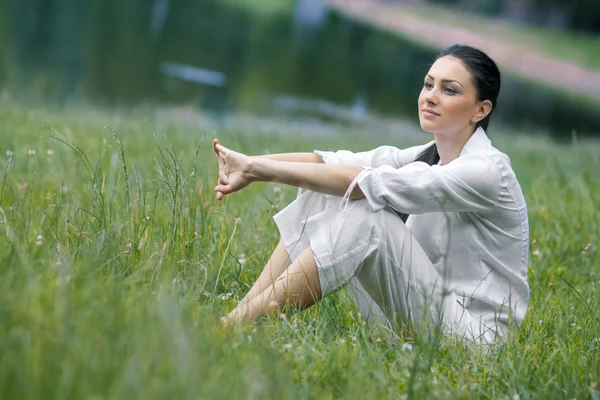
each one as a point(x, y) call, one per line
point(449, 148)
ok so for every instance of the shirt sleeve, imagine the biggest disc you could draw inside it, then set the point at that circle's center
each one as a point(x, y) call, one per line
point(382, 155)
point(469, 183)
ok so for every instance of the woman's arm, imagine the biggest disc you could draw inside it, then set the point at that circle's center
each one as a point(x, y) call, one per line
point(471, 183)
point(237, 170)
point(294, 157)
point(332, 179)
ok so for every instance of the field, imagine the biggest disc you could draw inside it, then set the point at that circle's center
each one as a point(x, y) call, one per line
point(111, 243)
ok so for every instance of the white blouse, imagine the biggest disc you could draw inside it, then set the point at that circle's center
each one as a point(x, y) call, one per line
point(469, 216)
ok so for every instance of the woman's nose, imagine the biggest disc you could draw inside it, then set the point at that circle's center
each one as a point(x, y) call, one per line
point(431, 99)
point(431, 96)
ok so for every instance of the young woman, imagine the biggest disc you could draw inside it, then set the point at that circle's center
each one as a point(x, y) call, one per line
point(433, 233)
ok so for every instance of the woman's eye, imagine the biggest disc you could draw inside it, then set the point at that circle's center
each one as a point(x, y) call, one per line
point(450, 91)
point(428, 85)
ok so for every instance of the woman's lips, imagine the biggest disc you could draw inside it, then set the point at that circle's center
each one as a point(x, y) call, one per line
point(430, 113)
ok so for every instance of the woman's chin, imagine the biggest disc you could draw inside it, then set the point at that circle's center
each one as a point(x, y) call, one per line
point(428, 127)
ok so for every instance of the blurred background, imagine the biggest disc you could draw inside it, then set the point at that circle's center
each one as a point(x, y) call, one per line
point(334, 60)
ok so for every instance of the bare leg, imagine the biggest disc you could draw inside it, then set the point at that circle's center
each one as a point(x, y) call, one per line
point(278, 262)
point(298, 286)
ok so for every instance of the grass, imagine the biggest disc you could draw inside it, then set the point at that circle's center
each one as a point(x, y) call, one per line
point(111, 243)
point(262, 8)
point(579, 48)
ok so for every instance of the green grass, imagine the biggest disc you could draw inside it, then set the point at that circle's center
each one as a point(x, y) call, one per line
point(110, 247)
point(576, 47)
point(263, 8)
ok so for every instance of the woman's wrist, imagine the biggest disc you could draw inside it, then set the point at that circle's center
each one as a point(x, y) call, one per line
point(258, 168)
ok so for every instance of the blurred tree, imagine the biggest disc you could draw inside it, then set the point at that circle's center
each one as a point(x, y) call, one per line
point(5, 37)
point(47, 44)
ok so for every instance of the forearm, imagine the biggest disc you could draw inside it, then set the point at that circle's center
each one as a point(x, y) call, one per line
point(333, 179)
point(294, 157)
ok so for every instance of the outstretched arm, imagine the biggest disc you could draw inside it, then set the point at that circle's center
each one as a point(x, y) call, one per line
point(294, 157)
point(237, 170)
point(332, 179)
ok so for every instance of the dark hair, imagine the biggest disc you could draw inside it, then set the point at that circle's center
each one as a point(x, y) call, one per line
point(485, 76)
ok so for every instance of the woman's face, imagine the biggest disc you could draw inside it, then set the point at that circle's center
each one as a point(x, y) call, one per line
point(448, 102)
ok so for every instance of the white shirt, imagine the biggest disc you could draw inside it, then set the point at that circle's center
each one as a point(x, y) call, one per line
point(469, 216)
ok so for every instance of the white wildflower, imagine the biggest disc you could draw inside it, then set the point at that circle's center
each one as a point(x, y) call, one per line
point(31, 152)
point(50, 152)
point(226, 296)
point(9, 153)
point(286, 347)
point(406, 347)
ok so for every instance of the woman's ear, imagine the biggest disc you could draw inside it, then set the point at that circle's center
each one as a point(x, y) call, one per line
point(483, 109)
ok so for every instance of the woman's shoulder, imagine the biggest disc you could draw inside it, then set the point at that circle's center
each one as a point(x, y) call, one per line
point(492, 162)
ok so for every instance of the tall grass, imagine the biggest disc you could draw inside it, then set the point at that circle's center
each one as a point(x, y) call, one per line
point(111, 242)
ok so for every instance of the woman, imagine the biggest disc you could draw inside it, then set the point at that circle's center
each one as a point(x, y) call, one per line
point(459, 260)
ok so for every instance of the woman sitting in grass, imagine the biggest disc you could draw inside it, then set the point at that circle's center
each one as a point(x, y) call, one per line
point(436, 233)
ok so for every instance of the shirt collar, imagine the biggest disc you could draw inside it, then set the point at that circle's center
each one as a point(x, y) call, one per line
point(477, 141)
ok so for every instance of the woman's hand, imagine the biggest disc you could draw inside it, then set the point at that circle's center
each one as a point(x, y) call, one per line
point(234, 170)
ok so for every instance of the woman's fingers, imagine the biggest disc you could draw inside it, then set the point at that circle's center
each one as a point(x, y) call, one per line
point(231, 165)
point(223, 189)
point(223, 179)
point(220, 193)
point(220, 148)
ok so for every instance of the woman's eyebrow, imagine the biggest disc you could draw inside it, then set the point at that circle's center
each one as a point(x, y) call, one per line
point(446, 80)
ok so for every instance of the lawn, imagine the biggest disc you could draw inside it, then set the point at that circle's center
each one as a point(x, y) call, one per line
point(111, 242)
